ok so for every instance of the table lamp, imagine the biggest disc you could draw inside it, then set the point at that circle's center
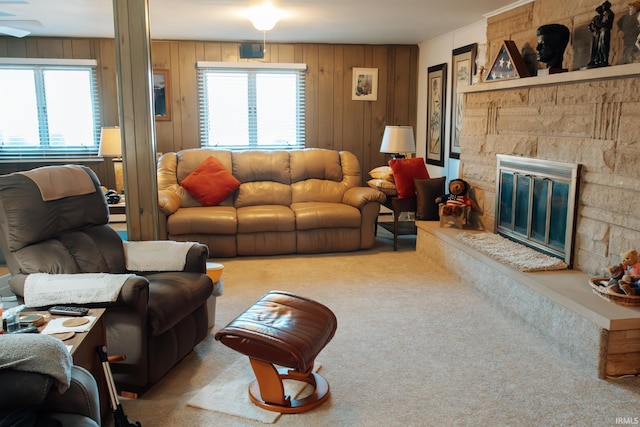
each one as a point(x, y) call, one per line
point(111, 146)
point(398, 140)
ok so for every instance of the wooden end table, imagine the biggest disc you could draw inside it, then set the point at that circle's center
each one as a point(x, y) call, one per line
point(397, 206)
point(84, 351)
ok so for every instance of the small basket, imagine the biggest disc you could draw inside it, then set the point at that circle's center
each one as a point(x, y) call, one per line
point(606, 293)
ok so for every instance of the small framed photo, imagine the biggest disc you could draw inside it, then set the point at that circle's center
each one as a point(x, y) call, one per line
point(436, 92)
point(161, 95)
point(463, 68)
point(365, 84)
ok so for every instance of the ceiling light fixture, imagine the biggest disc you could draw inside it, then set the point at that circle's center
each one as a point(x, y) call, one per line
point(264, 18)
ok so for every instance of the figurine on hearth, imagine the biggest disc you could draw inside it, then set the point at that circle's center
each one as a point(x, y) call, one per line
point(455, 205)
point(625, 277)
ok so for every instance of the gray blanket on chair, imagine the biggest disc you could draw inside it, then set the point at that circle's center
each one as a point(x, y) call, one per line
point(37, 353)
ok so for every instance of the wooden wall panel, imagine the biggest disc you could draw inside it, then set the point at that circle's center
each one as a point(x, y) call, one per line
point(333, 119)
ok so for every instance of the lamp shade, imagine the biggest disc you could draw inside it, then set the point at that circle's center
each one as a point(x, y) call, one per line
point(110, 143)
point(398, 139)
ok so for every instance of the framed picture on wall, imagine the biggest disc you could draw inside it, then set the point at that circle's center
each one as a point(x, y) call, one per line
point(436, 93)
point(365, 84)
point(463, 64)
point(161, 95)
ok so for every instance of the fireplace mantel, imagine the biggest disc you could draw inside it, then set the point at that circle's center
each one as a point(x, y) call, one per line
point(604, 73)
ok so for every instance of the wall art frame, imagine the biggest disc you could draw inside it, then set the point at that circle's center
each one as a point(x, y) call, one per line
point(364, 84)
point(436, 103)
point(161, 95)
point(463, 68)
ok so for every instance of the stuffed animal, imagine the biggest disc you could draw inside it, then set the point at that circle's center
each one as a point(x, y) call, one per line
point(456, 199)
point(625, 276)
point(630, 282)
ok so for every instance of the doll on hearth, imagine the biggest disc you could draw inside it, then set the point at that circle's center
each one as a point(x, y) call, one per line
point(457, 199)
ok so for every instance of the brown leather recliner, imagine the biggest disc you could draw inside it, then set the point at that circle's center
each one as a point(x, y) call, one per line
point(158, 316)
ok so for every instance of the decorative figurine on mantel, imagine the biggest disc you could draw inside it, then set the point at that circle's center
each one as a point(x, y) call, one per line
point(552, 41)
point(600, 28)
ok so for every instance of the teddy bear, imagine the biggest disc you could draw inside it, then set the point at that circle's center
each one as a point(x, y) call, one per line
point(456, 199)
point(625, 276)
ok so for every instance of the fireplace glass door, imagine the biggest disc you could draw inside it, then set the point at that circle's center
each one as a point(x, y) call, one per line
point(534, 208)
point(535, 204)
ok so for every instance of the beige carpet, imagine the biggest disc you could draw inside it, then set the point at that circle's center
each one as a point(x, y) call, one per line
point(414, 347)
point(510, 253)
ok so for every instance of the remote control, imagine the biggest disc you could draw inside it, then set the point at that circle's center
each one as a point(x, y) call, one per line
point(69, 311)
point(27, 330)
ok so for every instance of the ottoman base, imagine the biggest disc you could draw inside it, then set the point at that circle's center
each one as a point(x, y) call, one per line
point(267, 390)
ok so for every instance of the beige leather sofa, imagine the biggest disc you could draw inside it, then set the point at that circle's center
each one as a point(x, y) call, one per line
point(298, 201)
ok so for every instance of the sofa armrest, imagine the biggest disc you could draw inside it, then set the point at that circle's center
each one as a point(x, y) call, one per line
point(81, 398)
point(197, 259)
point(135, 294)
point(165, 255)
point(360, 196)
point(168, 202)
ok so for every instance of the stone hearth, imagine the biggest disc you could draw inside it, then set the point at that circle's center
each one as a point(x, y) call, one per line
point(558, 305)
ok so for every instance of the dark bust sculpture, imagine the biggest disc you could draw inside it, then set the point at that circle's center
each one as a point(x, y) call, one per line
point(552, 41)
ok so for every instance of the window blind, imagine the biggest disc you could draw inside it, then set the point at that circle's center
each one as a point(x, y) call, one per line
point(248, 106)
point(49, 109)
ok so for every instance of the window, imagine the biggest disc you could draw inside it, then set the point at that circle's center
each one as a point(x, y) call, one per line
point(48, 109)
point(251, 106)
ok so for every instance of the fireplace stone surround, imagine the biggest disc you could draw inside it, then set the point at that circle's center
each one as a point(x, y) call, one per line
point(589, 118)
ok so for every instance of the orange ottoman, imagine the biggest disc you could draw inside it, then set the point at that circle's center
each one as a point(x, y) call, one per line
point(286, 330)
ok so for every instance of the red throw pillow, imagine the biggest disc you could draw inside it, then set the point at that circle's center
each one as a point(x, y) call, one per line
point(404, 172)
point(210, 183)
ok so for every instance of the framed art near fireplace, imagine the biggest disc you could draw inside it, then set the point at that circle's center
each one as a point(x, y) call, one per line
point(437, 82)
point(463, 64)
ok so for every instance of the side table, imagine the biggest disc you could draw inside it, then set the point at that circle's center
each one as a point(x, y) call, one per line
point(398, 206)
point(84, 352)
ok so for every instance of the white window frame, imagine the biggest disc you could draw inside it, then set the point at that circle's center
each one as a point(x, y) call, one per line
point(45, 150)
point(250, 69)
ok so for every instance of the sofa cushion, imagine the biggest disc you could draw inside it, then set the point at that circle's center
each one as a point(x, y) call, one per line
point(311, 215)
point(427, 190)
point(315, 163)
point(250, 166)
point(263, 193)
point(388, 188)
point(382, 172)
point(203, 220)
point(256, 219)
point(210, 183)
point(404, 172)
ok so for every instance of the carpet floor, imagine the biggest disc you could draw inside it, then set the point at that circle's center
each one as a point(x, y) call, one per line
point(414, 347)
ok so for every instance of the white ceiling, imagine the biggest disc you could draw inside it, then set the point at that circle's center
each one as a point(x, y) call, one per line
point(309, 21)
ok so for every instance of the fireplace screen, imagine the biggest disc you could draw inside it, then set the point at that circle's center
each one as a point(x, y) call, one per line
point(535, 203)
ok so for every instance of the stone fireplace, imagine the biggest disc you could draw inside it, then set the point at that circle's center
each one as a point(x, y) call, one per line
point(587, 117)
point(535, 203)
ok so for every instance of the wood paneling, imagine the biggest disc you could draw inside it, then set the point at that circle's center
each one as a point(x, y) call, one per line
point(333, 120)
